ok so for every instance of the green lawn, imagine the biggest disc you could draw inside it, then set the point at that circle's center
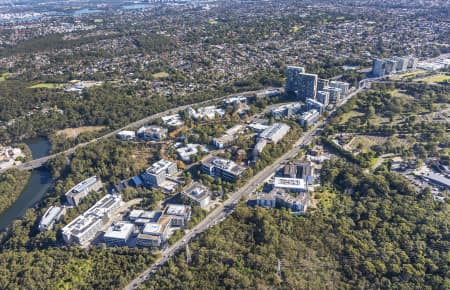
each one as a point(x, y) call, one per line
point(161, 75)
point(47, 86)
point(347, 116)
point(213, 22)
point(296, 28)
point(436, 79)
point(3, 76)
point(410, 74)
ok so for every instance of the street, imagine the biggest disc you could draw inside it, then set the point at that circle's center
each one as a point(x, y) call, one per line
point(223, 210)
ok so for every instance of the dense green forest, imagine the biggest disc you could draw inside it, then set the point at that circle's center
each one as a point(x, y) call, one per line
point(378, 233)
point(12, 183)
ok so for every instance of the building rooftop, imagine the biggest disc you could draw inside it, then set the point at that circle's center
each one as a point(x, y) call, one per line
point(152, 229)
point(197, 191)
point(50, 215)
point(119, 230)
point(176, 209)
point(159, 166)
point(274, 132)
point(82, 186)
point(290, 183)
point(223, 164)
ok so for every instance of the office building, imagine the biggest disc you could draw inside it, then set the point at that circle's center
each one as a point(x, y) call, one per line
point(341, 85)
point(118, 234)
point(292, 78)
point(401, 63)
point(315, 105)
point(290, 184)
point(50, 217)
point(156, 174)
point(322, 83)
point(309, 118)
point(154, 234)
point(258, 126)
point(126, 135)
point(177, 214)
point(288, 110)
point(378, 68)
point(384, 67)
point(412, 63)
point(173, 120)
point(334, 94)
point(144, 216)
point(210, 112)
point(303, 85)
point(290, 170)
point(85, 227)
point(306, 170)
point(259, 147)
point(199, 194)
point(187, 152)
point(221, 168)
point(323, 97)
point(154, 133)
point(229, 137)
point(280, 198)
point(274, 133)
point(77, 193)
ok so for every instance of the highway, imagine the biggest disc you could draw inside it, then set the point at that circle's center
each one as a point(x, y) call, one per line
point(36, 163)
point(227, 207)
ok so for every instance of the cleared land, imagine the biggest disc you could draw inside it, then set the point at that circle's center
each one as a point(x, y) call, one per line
point(3, 76)
point(161, 75)
point(47, 86)
point(436, 79)
point(409, 74)
point(74, 132)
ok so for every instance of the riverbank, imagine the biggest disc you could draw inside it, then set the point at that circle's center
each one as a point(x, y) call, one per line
point(12, 184)
point(20, 190)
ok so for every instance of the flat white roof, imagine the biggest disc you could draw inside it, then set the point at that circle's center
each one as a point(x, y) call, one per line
point(176, 209)
point(292, 183)
point(152, 229)
point(50, 215)
point(119, 230)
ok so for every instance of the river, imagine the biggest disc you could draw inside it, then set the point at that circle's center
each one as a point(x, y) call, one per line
point(38, 185)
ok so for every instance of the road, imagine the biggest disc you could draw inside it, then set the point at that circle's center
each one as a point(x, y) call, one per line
point(36, 163)
point(227, 207)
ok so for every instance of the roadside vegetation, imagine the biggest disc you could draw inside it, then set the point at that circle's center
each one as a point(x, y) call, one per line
point(378, 232)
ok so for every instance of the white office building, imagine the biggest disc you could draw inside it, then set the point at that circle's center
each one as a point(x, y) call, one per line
point(275, 133)
point(173, 120)
point(199, 194)
point(118, 234)
point(292, 184)
point(309, 118)
point(85, 227)
point(126, 135)
point(155, 133)
point(77, 193)
point(156, 174)
point(51, 216)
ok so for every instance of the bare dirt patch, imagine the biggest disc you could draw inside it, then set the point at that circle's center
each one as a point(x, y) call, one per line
point(74, 132)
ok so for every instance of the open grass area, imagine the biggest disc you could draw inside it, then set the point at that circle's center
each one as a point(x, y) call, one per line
point(3, 76)
point(363, 143)
point(74, 132)
point(213, 22)
point(410, 74)
point(47, 86)
point(323, 198)
point(161, 75)
point(296, 28)
point(436, 79)
point(347, 116)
